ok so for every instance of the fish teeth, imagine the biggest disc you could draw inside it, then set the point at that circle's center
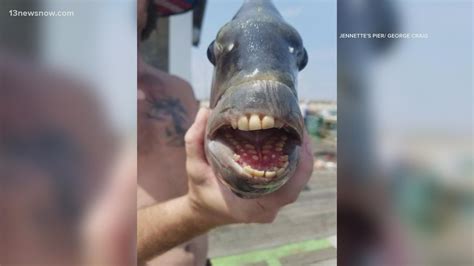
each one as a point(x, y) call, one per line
point(258, 173)
point(268, 122)
point(248, 169)
point(254, 172)
point(261, 173)
point(270, 173)
point(280, 171)
point(243, 123)
point(253, 122)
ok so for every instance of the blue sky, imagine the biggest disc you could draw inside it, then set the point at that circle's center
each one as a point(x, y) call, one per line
point(314, 19)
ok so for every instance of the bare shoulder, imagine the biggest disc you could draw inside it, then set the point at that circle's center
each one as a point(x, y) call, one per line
point(179, 88)
point(181, 92)
point(169, 109)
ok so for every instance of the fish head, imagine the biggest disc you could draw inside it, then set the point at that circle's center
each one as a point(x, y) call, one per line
point(255, 129)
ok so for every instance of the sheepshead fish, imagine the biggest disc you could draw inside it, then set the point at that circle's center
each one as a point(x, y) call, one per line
point(255, 129)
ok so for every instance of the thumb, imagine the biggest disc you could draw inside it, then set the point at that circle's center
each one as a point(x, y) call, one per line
point(194, 138)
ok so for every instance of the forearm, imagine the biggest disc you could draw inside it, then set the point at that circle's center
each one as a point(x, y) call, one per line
point(168, 224)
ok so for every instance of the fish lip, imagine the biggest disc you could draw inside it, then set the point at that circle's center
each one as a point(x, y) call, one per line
point(225, 112)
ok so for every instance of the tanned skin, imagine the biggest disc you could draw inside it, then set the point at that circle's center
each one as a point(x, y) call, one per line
point(166, 109)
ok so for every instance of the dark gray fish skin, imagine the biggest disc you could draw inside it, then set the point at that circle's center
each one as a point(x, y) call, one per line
point(257, 57)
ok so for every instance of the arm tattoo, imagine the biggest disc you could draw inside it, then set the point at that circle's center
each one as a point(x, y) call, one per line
point(170, 109)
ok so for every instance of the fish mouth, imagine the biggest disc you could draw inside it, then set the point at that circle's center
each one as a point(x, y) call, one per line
point(255, 151)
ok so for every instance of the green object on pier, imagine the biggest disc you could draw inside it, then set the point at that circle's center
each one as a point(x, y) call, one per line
point(271, 256)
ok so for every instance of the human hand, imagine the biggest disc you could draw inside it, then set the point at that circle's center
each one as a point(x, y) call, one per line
point(208, 196)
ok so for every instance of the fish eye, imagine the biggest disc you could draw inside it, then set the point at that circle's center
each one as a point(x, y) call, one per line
point(210, 53)
point(302, 59)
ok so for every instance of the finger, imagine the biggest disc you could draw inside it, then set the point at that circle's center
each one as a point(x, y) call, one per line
point(195, 136)
point(305, 166)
